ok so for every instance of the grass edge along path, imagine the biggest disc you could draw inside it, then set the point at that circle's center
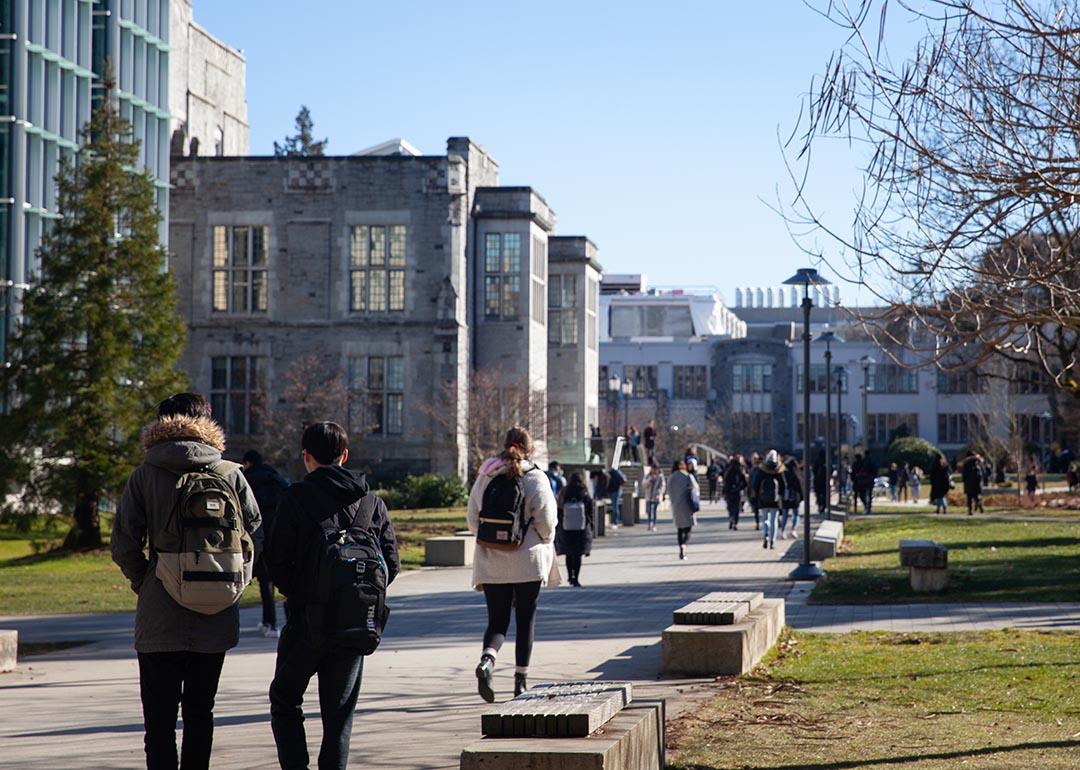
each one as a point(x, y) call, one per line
point(991, 559)
point(1000, 699)
point(36, 579)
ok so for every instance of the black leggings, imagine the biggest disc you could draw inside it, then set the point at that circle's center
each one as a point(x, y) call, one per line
point(499, 597)
point(684, 535)
point(573, 565)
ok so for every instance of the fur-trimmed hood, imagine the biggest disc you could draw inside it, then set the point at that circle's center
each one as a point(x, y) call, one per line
point(183, 428)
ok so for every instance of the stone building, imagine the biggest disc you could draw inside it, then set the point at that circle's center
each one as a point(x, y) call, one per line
point(408, 272)
point(207, 89)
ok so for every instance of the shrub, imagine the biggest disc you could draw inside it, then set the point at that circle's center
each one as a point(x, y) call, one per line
point(913, 451)
point(430, 491)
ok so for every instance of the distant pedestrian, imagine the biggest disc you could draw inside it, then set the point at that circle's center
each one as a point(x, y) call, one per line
point(649, 437)
point(654, 493)
point(915, 482)
point(903, 478)
point(181, 644)
point(615, 482)
point(1031, 480)
point(792, 498)
point(1072, 477)
point(940, 484)
point(332, 552)
point(734, 484)
point(555, 476)
point(820, 479)
point(576, 526)
point(267, 485)
point(755, 469)
point(769, 491)
point(712, 475)
point(683, 491)
point(596, 445)
point(894, 481)
point(843, 477)
point(862, 472)
point(691, 461)
point(514, 555)
point(971, 473)
point(634, 440)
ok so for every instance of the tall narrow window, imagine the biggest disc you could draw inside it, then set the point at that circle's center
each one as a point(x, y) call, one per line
point(689, 381)
point(240, 278)
point(377, 267)
point(377, 394)
point(562, 310)
point(502, 276)
point(234, 388)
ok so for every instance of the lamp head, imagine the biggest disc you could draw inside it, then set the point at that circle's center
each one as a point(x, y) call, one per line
point(613, 383)
point(828, 337)
point(806, 276)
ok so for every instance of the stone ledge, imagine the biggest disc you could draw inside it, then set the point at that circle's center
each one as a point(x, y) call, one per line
point(449, 551)
point(688, 650)
point(826, 540)
point(628, 741)
point(9, 650)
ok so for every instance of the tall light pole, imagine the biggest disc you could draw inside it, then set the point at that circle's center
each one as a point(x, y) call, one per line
point(839, 412)
point(613, 390)
point(627, 391)
point(828, 337)
point(806, 277)
point(867, 362)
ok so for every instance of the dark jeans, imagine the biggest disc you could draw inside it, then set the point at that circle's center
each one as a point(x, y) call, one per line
point(734, 507)
point(339, 670)
point(683, 535)
point(616, 507)
point(573, 566)
point(500, 599)
point(172, 681)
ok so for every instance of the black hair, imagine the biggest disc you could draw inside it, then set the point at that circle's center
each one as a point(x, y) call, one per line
point(252, 456)
point(325, 441)
point(676, 464)
point(553, 465)
point(185, 405)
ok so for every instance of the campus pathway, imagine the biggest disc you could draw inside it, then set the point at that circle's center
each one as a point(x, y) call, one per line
point(418, 706)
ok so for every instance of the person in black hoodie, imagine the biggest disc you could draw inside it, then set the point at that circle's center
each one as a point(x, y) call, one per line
point(329, 491)
point(574, 538)
point(267, 485)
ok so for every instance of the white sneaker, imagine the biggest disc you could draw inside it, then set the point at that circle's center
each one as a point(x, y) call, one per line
point(269, 631)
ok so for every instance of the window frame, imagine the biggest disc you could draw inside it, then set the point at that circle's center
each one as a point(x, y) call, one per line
point(502, 276)
point(224, 397)
point(377, 281)
point(228, 276)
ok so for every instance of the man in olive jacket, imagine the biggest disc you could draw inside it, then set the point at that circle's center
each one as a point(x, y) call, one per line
point(180, 651)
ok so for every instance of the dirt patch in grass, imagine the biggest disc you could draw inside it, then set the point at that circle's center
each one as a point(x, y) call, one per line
point(1001, 699)
point(995, 559)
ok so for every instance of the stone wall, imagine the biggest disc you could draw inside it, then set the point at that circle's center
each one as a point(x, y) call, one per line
point(727, 353)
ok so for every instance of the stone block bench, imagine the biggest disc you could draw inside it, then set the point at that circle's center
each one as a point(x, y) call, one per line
point(927, 563)
point(449, 551)
point(837, 515)
point(721, 633)
point(9, 649)
point(826, 540)
point(570, 726)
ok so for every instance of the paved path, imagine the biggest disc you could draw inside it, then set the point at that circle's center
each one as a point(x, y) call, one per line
point(418, 706)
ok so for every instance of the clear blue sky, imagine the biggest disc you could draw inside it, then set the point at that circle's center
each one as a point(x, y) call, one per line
point(651, 128)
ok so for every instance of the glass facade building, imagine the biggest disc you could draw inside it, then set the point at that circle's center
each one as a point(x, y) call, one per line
point(53, 55)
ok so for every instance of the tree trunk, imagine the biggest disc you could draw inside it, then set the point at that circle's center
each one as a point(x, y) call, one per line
point(86, 534)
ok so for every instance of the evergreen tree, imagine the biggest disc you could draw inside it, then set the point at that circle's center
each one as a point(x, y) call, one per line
point(302, 144)
point(99, 338)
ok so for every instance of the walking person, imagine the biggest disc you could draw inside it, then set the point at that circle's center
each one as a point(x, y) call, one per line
point(634, 440)
point(712, 475)
point(769, 491)
point(903, 478)
point(654, 493)
point(792, 498)
point(755, 469)
point(1072, 477)
point(915, 482)
point(820, 474)
point(734, 484)
point(971, 473)
point(576, 527)
point(267, 485)
point(649, 437)
point(556, 477)
point(940, 484)
point(513, 558)
point(181, 646)
point(615, 481)
point(327, 524)
point(894, 477)
point(691, 461)
point(685, 496)
point(862, 473)
point(1031, 480)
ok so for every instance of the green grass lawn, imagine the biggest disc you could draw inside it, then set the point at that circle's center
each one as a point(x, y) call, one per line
point(997, 699)
point(36, 579)
point(997, 558)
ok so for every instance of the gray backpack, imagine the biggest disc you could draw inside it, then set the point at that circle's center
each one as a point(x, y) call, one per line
point(204, 552)
point(573, 519)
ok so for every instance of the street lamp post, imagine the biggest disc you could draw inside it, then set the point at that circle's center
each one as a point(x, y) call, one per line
point(806, 277)
point(828, 337)
point(613, 390)
point(839, 413)
point(627, 391)
point(867, 362)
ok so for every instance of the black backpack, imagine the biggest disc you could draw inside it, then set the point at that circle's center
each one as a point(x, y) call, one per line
point(346, 580)
point(502, 523)
point(769, 491)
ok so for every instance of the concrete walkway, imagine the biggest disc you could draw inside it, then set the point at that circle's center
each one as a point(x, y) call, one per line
point(418, 706)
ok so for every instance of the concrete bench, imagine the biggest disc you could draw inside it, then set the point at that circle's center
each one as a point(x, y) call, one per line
point(721, 608)
point(826, 540)
point(837, 515)
point(9, 650)
point(557, 726)
point(557, 710)
point(927, 563)
point(717, 648)
point(449, 551)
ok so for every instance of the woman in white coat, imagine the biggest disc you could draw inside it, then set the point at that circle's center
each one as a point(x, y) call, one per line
point(511, 577)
